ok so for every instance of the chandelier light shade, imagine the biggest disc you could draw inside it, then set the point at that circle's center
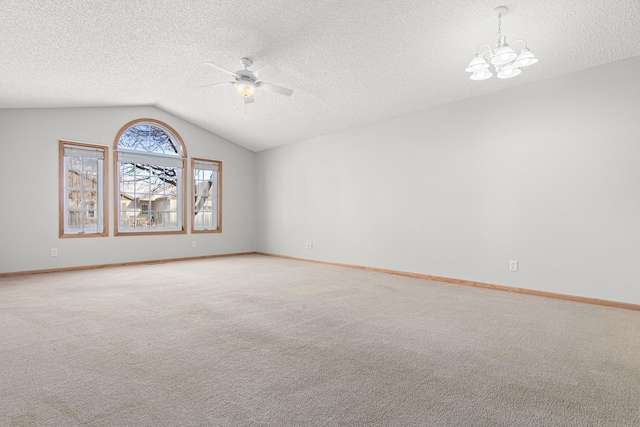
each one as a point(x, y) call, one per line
point(481, 75)
point(477, 63)
point(525, 58)
point(508, 71)
point(506, 62)
point(504, 55)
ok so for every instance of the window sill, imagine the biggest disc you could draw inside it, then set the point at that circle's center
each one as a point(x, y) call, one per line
point(81, 235)
point(204, 230)
point(147, 232)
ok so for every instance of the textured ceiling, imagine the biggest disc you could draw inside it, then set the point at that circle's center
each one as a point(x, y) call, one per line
point(349, 62)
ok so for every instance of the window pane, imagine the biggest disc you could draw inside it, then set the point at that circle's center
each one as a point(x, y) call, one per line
point(73, 180)
point(154, 220)
point(90, 199)
point(149, 138)
point(75, 200)
point(90, 165)
point(141, 221)
point(91, 181)
point(75, 220)
point(90, 221)
point(199, 220)
point(74, 163)
point(142, 171)
point(171, 219)
point(126, 222)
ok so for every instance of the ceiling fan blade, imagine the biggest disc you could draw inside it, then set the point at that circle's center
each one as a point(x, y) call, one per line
point(264, 69)
point(215, 84)
point(248, 100)
point(277, 89)
point(217, 67)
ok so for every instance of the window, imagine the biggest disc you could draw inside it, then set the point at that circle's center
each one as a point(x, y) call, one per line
point(207, 196)
point(83, 210)
point(149, 179)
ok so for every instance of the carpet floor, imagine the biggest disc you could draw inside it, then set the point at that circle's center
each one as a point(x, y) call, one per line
point(263, 341)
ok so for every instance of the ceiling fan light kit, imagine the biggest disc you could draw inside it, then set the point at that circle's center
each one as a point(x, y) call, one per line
point(506, 61)
point(247, 82)
point(245, 87)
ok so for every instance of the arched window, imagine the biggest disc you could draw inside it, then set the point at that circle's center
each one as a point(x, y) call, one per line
point(150, 184)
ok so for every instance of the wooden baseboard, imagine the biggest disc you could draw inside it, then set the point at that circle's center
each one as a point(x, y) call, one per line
point(121, 264)
point(608, 303)
point(616, 304)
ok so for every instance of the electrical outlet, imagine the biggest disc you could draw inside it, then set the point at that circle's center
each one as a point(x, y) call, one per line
point(54, 252)
point(513, 265)
point(310, 245)
point(193, 244)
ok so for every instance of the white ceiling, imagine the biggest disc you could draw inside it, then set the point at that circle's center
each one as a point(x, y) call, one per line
point(349, 62)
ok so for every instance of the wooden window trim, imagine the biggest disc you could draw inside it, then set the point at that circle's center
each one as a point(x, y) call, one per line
point(116, 191)
point(219, 196)
point(61, 193)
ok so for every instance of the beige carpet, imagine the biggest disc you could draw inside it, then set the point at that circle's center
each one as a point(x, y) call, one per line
point(261, 341)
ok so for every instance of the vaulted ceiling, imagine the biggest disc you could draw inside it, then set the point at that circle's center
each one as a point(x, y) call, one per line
point(349, 62)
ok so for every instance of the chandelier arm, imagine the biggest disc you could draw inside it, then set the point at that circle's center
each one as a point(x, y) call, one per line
point(519, 40)
point(486, 51)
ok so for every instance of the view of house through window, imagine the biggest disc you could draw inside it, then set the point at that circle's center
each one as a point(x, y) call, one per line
point(150, 185)
point(82, 183)
point(149, 178)
point(206, 195)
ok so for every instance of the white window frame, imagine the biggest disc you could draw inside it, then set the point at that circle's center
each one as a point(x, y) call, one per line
point(215, 166)
point(82, 150)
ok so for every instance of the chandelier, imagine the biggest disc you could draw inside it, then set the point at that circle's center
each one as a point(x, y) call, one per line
point(506, 62)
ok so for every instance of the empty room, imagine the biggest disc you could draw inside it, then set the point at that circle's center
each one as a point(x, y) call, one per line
point(320, 213)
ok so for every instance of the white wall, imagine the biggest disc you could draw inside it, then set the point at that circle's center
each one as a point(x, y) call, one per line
point(547, 174)
point(29, 190)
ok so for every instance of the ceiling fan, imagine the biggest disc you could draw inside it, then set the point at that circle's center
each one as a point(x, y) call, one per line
point(247, 81)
